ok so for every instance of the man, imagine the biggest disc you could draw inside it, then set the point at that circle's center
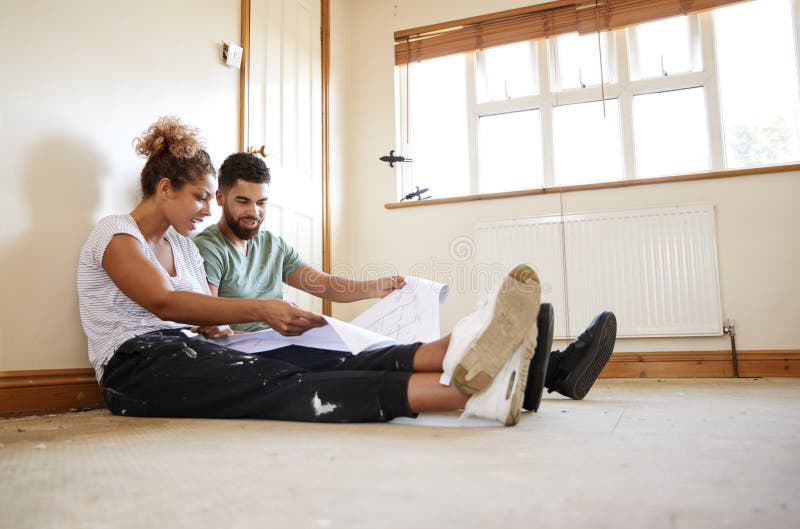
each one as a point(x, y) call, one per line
point(242, 261)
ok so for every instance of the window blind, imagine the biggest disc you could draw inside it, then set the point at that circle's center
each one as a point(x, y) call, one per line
point(536, 22)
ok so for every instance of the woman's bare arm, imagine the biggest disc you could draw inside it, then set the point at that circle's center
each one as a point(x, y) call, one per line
point(140, 280)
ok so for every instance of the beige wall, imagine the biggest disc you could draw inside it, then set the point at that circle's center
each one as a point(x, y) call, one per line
point(79, 81)
point(758, 218)
point(339, 134)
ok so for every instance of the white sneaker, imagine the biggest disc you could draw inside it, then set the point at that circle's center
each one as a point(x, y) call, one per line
point(502, 400)
point(463, 336)
point(489, 337)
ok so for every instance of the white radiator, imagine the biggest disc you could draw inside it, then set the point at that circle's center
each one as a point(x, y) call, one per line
point(656, 268)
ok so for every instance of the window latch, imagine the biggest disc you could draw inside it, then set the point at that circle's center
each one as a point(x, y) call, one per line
point(416, 194)
point(394, 158)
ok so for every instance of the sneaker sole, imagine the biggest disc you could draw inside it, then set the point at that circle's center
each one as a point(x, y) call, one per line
point(516, 386)
point(538, 369)
point(515, 310)
point(581, 380)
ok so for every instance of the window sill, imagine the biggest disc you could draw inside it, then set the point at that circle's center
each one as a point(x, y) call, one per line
point(602, 185)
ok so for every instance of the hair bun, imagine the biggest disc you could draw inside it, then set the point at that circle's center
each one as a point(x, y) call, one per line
point(168, 133)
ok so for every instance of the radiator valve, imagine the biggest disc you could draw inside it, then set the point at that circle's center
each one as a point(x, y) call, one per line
point(729, 327)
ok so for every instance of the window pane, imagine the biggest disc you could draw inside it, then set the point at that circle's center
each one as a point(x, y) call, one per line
point(663, 40)
point(508, 72)
point(758, 83)
point(670, 132)
point(438, 123)
point(510, 151)
point(586, 145)
point(578, 63)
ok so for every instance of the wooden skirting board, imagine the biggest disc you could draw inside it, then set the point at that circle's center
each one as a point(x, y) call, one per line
point(60, 390)
point(701, 364)
point(48, 391)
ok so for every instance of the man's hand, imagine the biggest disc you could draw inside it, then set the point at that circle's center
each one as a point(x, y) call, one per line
point(386, 285)
point(289, 319)
point(213, 331)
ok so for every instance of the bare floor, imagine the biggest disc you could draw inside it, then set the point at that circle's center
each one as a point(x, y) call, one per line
point(642, 454)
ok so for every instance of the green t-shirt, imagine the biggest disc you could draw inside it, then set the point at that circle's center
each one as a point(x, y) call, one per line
point(259, 274)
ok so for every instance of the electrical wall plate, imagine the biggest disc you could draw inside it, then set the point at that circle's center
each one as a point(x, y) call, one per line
point(232, 55)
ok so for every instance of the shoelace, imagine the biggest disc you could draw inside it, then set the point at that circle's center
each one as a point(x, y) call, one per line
point(564, 361)
point(566, 357)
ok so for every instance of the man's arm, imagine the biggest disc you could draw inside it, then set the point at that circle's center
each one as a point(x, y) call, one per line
point(341, 289)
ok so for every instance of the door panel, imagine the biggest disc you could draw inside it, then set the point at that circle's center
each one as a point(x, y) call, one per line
point(284, 114)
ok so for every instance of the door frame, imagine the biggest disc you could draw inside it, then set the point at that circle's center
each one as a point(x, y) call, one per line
point(244, 78)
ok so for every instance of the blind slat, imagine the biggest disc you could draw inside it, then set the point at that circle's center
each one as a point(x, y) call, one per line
point(541, 21)
point(488, 34)
point(616, 14)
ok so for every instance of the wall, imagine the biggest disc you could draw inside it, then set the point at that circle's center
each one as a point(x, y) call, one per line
point(758, 219)
point(78, 81)
point(339, 88)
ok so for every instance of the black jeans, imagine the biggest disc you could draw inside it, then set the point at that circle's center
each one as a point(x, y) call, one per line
point(166, 374)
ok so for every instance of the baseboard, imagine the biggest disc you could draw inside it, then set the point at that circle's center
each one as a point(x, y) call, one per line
point(60, 390)
point(769, 363)
point(701, 364)
point(48, 391)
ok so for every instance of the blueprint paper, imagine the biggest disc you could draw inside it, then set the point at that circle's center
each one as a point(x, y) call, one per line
point(336, 336)
point(356, 339)
point(407, 315)
point(404, 316)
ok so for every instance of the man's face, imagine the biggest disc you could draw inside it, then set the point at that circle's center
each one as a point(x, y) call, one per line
point(243, 207)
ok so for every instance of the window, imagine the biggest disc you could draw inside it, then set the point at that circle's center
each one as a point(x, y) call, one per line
point(670, 133)
point(586, 144)
point(438, 124)
point(758, 83)
point(576, 60)
point(662, 48)
point(508, 72)
point(510, 152)
point(680, 95)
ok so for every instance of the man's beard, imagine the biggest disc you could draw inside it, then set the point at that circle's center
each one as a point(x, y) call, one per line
point(240, 231)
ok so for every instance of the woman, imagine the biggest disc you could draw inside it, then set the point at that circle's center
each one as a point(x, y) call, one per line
point(141, 283)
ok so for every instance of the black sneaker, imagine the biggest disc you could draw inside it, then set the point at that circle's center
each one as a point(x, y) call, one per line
point(572, 372)
point(538, 368)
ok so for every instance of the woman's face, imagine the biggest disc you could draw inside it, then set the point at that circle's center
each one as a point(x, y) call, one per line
point(191, 204)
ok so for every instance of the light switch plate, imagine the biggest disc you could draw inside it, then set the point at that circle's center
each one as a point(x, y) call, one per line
point(232, 55)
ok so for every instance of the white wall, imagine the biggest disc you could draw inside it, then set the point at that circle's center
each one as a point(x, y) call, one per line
point(758, 219)
point(78, 81)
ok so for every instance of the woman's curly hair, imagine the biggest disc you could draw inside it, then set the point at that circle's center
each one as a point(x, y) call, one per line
point(173, 151)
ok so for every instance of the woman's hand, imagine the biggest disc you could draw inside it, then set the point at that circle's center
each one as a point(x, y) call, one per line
point(386, 285)
point(213, 331)
point(289, 319)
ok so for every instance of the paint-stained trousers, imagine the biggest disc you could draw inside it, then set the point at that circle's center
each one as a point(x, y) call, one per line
point(167, 374)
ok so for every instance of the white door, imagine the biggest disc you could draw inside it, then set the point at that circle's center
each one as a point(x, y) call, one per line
point(284, 115)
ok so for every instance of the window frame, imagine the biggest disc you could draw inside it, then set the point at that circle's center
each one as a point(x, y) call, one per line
point(620, 86)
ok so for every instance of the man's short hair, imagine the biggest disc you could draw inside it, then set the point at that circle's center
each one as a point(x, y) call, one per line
point(242, 166)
